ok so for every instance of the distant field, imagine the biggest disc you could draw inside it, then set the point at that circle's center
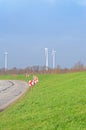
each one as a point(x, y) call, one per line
point(57, 102)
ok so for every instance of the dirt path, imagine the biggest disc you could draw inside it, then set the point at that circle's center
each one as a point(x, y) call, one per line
point(11, 90)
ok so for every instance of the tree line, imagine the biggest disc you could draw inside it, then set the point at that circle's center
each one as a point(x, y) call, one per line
point(42, 69)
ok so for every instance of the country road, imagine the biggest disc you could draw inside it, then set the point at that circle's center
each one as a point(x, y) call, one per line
point(10, 91)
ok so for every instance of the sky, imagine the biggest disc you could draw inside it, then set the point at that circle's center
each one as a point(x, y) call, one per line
point(27, 27)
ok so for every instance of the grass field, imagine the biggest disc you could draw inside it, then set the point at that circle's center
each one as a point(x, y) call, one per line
point(57, 102)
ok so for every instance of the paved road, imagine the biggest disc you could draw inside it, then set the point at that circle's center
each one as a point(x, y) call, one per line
point(11, 90)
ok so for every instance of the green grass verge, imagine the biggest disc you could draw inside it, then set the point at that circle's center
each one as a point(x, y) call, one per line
point(57, 102)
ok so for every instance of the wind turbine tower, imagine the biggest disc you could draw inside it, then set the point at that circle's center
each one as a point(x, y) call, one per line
point(46, 56)
point(54, 58)
point(6, 60)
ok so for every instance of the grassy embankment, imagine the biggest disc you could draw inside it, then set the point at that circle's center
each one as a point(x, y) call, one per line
point(57, 102)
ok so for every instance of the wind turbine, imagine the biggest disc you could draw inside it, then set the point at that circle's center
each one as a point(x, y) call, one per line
point(6, 60)
point(54, 58)
point(46, 56)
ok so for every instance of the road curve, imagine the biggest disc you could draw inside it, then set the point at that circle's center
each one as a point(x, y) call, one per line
point(10, 91)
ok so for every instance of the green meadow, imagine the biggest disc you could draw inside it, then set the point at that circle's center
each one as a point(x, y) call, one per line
point(57, 102)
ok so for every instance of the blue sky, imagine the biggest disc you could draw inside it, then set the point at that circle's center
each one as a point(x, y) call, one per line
point(28, 26)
